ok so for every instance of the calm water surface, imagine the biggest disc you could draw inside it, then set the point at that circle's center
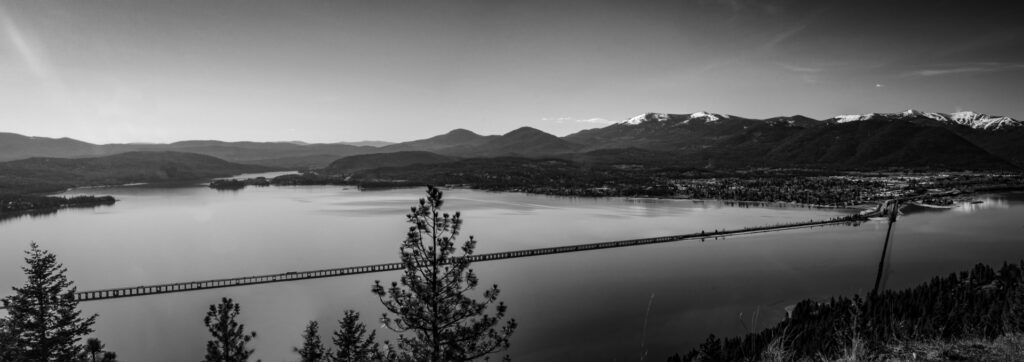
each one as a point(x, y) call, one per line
point(605, 305)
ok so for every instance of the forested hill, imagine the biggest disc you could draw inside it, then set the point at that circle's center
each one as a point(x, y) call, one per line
point(377, 160)
point(44, 174)
point(982, 304)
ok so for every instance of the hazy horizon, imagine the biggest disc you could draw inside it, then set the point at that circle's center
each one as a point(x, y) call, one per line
point(366, 141)
point(122, 71)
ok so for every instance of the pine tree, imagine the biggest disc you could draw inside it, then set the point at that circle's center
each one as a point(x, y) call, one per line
point(95, 351)
point(351, 342)
point(109, 357)
point(711, 350)
point(229, 337)
point(8, 351)
point(44, 323)
point(430, 300)
point(312, 349)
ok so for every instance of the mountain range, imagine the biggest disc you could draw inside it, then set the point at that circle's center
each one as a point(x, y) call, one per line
point(914, 139)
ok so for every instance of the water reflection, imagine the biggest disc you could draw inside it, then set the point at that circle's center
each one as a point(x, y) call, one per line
point(971, 204)
point(983, 203)
point(571, 307)
point(268, 175)
point(43, 214)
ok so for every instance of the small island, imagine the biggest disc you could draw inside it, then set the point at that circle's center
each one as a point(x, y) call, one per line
point(236, 184)
point(16, 205)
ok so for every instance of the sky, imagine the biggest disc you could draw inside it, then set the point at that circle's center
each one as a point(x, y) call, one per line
point(114, 71)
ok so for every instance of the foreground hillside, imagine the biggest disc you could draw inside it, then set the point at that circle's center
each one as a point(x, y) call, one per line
point(54, 174)
point(981, 309)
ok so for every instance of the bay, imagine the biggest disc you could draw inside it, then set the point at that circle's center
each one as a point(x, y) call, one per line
point(622, 304)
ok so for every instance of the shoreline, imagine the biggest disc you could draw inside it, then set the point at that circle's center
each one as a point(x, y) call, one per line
point(66, 203)
point(861, 206)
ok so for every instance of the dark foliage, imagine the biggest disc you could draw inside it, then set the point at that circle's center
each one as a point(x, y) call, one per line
point(804, 190)
point(15, 205)
point(230, 340)
point(543, 176)
point(8, 342)
point(431, 302)
point(312, 349)
point(981, 303)
point(43, 322)
point(352, 343)
point(231, 184)
point(95, 351)
point(236, 184)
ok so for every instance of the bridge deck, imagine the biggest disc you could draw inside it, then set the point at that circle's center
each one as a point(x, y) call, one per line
point(326, 273)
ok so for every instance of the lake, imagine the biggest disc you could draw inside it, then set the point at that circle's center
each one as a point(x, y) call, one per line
point(623, 304)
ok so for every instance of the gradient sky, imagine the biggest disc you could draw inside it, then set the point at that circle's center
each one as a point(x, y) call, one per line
point(325, 71)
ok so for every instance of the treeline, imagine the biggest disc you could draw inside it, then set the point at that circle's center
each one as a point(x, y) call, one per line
point(555, 176)
point(831, 191)
point(982, 303)
point(980, 183)
point(512, 174)
point(13, 205)
point(236, 184)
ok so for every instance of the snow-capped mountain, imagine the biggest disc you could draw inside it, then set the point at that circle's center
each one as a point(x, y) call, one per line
point(662, 117)
point(984, 121)
point(646, 117)
point(709, 117)
point(967, 119)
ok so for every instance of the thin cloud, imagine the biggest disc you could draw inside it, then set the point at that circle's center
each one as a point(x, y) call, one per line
point(744, 5)
point(594, 121)
point(801, 69)
point(28, 53)
point(965, 69)
point(781, 37)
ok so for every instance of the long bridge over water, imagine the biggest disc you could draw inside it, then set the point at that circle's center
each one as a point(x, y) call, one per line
point(336, 272)
point(125, 292)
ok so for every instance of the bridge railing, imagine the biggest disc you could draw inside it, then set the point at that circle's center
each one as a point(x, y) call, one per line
point(335, 272)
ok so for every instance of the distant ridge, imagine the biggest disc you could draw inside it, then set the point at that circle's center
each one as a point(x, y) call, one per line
point(708, 140)
point(455, 138)
point(284, 155)
point(966, 119)
point(356, 163)
point(523, 141)
point(15, 146)
point(962, 140)
point(47, 174)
